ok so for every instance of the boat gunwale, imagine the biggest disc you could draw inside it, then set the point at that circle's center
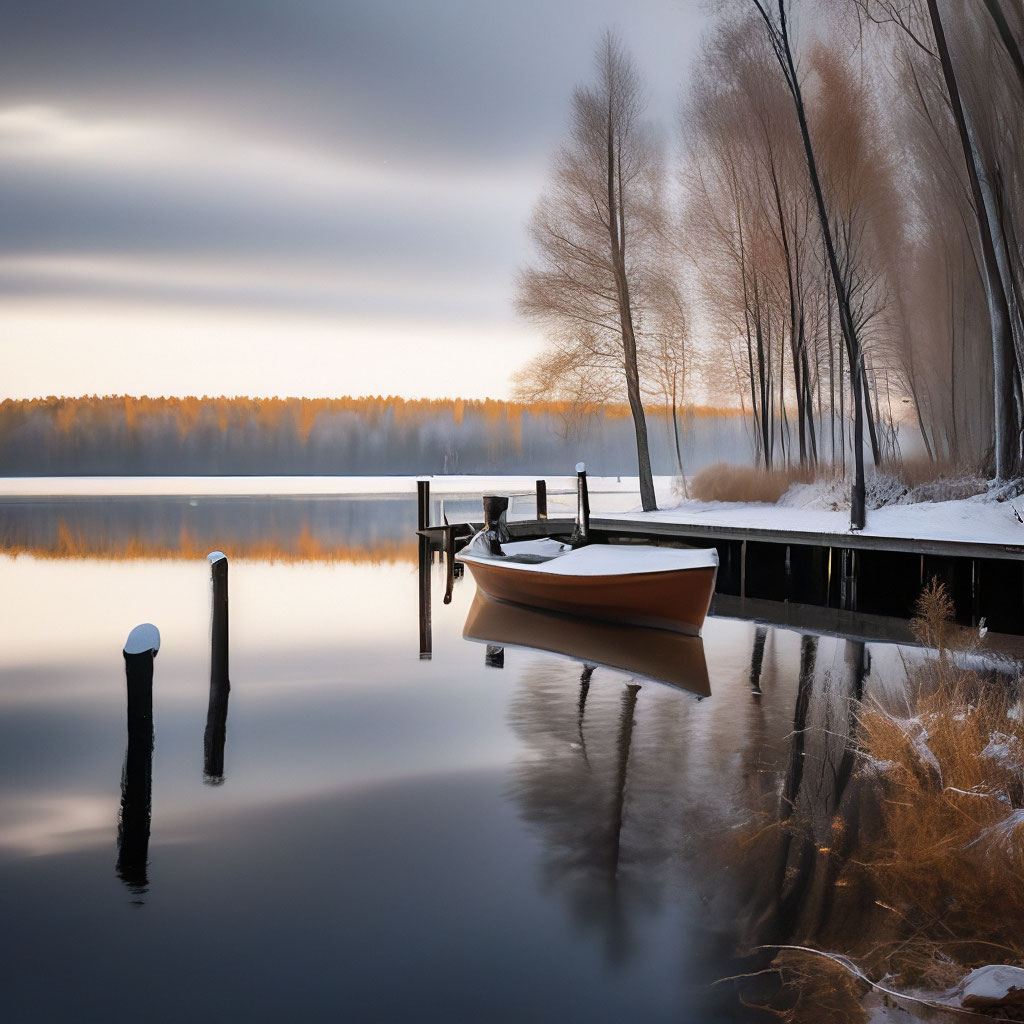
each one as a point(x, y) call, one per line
point(710, 562)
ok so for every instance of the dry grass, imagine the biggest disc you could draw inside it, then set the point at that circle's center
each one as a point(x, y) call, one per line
point(926, 479)
point(936, 862)
point(726, 482)
point(949, 855)
point(918, 479)
point(818, 990)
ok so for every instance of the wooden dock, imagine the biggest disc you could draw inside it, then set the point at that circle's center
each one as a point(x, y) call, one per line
point(854, 572)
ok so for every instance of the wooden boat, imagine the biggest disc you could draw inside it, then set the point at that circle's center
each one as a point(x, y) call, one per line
point(642, 585)
point(637, 650)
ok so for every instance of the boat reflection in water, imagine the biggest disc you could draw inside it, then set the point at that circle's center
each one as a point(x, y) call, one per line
point(604, 758)
point(656, 654)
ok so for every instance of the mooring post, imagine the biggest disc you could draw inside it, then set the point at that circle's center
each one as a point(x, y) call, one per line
point(542, 499)
point(422, 504)
point(426, 640)
point(494, 656)
point(137, 777)
point(220, 687)
point(743, 568)
point(581, 535)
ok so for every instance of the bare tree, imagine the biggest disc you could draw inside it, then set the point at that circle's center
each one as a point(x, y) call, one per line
point(777, 28)
point(979, 67)
point(595, 232)
point(665, 356)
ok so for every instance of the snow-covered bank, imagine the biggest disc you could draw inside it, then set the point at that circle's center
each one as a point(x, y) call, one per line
point(970, 520)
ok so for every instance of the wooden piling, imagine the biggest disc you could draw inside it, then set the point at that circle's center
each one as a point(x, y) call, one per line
point(542, 499)
point(426, 638)
point(422, 504)
point(134, 822)
point(217, 709)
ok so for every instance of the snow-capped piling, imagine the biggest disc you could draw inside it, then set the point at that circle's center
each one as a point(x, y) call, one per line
point(542, 499)
point(217, 710)
point(133, 829)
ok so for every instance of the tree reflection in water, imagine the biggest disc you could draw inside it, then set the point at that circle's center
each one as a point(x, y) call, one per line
point(636, 796)
point(575, 790)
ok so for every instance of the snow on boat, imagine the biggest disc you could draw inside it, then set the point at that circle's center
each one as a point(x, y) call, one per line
point(637, 650)
point(638, 584)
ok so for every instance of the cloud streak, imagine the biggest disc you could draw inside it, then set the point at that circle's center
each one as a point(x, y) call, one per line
point(371, 162)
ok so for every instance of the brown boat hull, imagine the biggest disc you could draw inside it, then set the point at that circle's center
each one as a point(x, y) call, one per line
point(676, 600)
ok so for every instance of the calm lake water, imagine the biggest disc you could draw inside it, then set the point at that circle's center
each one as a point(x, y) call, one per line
point(489, 834)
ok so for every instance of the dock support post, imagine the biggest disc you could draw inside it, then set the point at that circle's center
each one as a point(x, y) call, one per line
point(743, 568)
point(220, 687)
point(494, 656)
point(542, 499)
point(848, 583)
point(137, 776)
point(422, 504)
point(426, 640)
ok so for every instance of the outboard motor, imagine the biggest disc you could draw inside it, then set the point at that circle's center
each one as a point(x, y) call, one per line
point(581, 534)
point(495, 529)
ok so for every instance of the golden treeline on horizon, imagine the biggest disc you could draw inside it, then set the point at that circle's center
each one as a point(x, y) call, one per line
point(71, 413)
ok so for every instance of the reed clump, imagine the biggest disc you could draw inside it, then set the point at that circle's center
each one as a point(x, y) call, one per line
point(723, 481)
point(934, 866)
point(905, 482)
point(948, 856)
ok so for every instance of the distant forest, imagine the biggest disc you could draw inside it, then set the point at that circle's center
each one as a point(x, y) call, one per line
point(122, 435)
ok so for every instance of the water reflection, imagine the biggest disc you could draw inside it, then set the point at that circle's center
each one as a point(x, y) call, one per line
point(350, 529)
point(807, 847)
point(603, 832)
point(757, 658)
point(605, 823)
point(652, 653)
point(575, 791)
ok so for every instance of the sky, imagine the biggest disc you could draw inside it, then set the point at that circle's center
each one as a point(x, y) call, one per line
point(319, 197)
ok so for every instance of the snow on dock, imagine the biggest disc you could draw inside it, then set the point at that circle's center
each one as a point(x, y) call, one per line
point(973, 527)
